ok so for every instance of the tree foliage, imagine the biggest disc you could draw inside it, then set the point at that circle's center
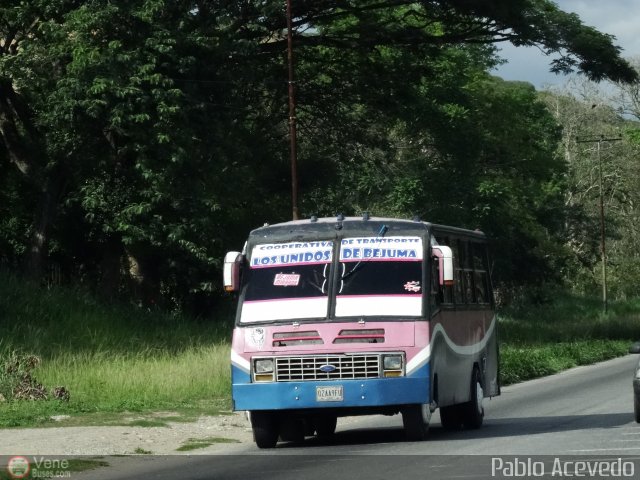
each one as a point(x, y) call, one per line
point(599, 148)
point(140, 140)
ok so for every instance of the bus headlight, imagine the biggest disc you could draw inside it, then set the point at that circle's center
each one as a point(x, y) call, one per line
point(392, 365)
point(264, 365)
point(263, 370)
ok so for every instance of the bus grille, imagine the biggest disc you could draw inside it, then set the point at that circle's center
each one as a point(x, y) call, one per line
point(289, 369)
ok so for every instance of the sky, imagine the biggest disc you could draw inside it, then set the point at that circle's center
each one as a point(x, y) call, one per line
point(620, 18)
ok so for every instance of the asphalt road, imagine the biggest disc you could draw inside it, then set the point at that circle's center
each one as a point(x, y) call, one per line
point(586, 412)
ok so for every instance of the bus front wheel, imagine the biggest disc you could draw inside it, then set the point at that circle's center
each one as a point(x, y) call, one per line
point(265, 429)
point(292, 430)
point(325, 426)
point(415, 419)
point(450, 417)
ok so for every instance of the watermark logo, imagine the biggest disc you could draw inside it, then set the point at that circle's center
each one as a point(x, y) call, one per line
point(18, 467)
point(40, 467)
point(562, 467)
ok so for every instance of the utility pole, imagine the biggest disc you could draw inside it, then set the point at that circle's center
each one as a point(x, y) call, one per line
point(603, 251)
point(292, 118)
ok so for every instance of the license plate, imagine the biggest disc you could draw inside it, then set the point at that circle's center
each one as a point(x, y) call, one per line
point(329, 394)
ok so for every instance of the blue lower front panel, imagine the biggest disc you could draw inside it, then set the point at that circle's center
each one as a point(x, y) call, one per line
point(357, 393)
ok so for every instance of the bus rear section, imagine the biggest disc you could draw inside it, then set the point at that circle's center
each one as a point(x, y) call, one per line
point(333, 320)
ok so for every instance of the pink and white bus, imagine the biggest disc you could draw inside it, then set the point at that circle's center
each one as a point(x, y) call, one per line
point(354, 316)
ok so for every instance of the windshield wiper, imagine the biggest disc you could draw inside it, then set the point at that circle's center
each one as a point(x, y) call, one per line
point(381, 233)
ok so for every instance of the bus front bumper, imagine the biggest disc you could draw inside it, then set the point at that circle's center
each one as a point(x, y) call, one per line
point(378, 392)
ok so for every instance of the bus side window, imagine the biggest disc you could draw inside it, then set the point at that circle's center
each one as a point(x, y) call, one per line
point(481, 287)
point(470, 277)
point(469, 293)
point(480, 273)
point(458, 285)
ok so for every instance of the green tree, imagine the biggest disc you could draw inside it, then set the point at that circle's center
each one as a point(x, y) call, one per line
point(587, 113)
point(144, 137)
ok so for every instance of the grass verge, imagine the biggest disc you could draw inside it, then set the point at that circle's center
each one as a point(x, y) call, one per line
point(197, 443)
point(542, 340)
point(117, 360)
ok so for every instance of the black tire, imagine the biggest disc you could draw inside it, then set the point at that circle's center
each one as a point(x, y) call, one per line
point(292, 430)
point(325, 426)
point(473, 410)
point(415, 419)
point(450, 417)
point(265, 429)
point(309, 427)
point(636, 406)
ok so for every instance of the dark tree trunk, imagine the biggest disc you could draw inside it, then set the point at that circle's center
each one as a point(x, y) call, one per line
point(45, 215)
point(111, 267)
point(143, 273)
point(21, 141)
point(20, 150)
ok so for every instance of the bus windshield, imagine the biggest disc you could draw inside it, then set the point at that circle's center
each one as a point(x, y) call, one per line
point(380, 276)
point(287, 281)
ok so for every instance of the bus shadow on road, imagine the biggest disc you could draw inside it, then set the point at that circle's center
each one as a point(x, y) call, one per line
point(493, 428)
point(523, 426)
point(355, 436)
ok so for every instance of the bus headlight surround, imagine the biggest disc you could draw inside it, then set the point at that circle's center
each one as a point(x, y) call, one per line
point(263, 370)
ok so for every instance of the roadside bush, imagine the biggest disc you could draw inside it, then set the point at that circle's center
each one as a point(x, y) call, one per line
point(17, 381)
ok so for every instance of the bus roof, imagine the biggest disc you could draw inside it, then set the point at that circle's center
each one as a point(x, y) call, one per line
point(332, 227)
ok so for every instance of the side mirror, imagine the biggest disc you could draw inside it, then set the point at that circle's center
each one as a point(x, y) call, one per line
point(231, 271)
point(635, 348)
point(445, 263)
